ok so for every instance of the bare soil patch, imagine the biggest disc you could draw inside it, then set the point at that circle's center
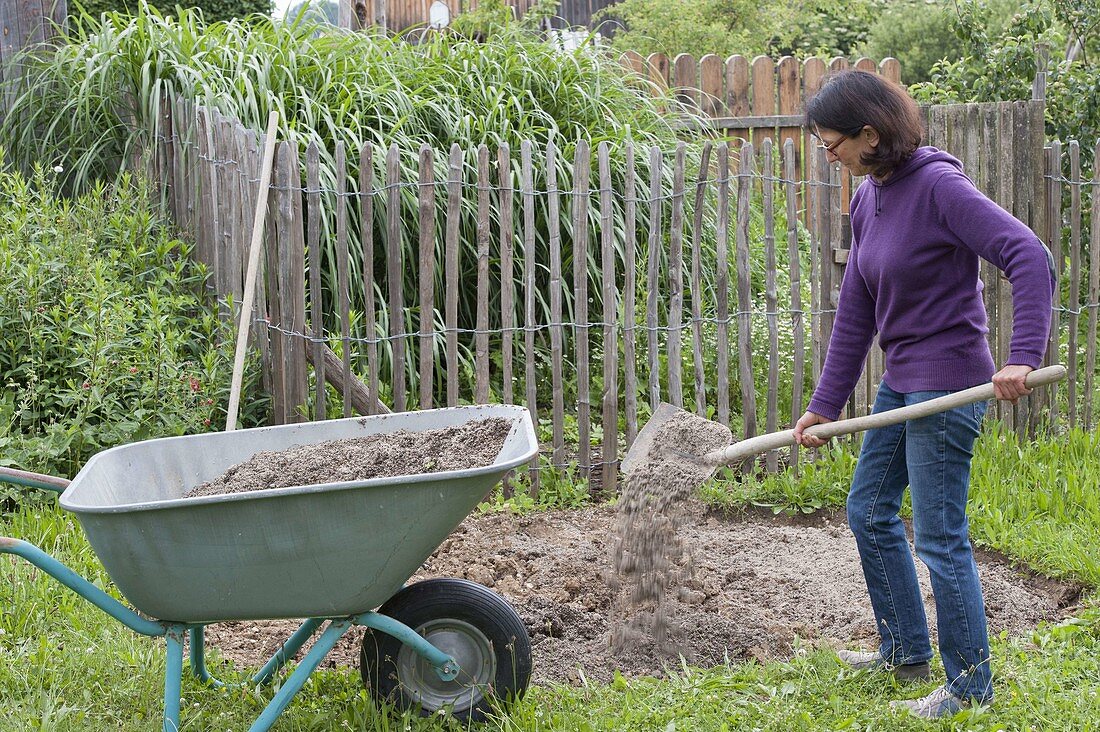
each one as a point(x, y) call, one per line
point(750, 586)
point(474, 444)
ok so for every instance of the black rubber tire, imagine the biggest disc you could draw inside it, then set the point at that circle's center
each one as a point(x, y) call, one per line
point(462, 615)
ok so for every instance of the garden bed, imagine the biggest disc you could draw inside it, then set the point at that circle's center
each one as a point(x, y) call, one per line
point(758, 584)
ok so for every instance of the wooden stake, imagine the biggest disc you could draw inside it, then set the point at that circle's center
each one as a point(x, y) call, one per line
point(250, 277)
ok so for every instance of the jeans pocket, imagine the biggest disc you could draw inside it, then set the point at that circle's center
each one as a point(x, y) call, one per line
point(979, 411)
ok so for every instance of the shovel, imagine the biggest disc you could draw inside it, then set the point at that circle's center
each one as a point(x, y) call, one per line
point(644, 447)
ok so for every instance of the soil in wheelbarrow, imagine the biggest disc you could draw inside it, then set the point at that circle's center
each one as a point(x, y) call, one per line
point(474, 444)
point(756, 584)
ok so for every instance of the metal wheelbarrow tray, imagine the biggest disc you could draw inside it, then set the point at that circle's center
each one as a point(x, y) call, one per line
point(329, 551)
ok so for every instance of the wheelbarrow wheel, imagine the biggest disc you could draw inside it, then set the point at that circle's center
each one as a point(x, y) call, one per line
point(471, 623)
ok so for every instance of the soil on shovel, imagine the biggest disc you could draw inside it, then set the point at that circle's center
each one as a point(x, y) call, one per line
point(757, 583)
point(474, 444)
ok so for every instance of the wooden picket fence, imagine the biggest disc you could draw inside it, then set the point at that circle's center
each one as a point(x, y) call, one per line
point(24, 24)
point(680, 319)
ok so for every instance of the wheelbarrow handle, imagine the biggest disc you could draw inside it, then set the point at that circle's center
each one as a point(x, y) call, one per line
point(80, 586)
point(756, 445)
point(33, 480)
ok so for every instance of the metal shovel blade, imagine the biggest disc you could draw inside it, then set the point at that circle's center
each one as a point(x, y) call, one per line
point(643, 448)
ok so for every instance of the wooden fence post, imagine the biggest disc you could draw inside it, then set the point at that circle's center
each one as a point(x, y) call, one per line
point(316, 293)
point(582, 167)
point(426, 273)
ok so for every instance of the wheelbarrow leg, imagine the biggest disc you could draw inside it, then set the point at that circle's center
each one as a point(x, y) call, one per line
point(295, 682)
point(286, 652)
point(173, 678)
point(197, 657)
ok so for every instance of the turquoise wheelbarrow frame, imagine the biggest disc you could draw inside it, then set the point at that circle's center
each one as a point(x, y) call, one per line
point(329, 553)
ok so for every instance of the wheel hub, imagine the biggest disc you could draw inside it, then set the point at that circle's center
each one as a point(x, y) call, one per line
point(473, 653)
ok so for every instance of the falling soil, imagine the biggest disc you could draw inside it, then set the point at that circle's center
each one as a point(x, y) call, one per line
point(648, 555)
point(474, 444)
point(758, 584)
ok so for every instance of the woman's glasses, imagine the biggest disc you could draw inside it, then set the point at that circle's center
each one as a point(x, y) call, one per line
point(831, 149)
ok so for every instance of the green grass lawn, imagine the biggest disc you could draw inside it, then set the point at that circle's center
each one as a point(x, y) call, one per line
point(66, 666)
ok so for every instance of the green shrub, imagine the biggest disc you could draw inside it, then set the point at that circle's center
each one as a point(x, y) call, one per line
point(697, 27)
point(212, 10)
point(828, 28)
point(916, 33)
point(105, 337)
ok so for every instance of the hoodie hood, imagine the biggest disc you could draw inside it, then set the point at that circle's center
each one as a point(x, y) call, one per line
point(921, 157)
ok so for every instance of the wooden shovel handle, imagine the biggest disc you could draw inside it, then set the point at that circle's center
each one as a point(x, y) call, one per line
point(756, 445)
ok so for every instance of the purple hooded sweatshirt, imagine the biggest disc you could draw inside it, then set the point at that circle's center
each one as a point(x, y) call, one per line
point(913, 278)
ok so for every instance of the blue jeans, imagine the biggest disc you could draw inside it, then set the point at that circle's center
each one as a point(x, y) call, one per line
point(932, 456)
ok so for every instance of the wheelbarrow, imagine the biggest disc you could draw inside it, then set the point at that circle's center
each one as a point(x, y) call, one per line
point(329, 553)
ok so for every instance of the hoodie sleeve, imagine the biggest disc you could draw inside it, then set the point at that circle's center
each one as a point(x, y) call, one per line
point(996, 236)
point(853, 331)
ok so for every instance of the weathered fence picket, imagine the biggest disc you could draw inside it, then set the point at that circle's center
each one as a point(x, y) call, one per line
point(652, 272)
point(722, 283)
point(426, 272)
point(582, 165)
point(452, 256)
point(1094, 295)
point(697, 282)
point(481, 337)
point(366, 246)
point(316, 292)
point(395, 265)
point(675, 287)
point(554, 218)
point(771, 298)
point(744, 293)
point(610, 396)
point(529, 354)
point(1074, 275)
point(507, 281)
point(343, 261)
point(630, 344)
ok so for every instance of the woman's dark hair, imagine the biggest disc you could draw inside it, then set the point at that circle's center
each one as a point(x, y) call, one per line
point(849, 100)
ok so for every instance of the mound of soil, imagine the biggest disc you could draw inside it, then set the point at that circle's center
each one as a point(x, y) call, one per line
point(751, 586)
point(474, 444)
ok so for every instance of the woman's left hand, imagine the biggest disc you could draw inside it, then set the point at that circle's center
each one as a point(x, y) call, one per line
point(1009, 384)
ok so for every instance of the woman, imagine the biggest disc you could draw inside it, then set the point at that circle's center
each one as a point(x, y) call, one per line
point(919, 228)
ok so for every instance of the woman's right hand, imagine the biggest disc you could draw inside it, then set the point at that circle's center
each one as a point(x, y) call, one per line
point(806, 420)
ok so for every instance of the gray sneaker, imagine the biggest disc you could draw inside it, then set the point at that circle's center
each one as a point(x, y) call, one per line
point(870, 660)
point(940, 703)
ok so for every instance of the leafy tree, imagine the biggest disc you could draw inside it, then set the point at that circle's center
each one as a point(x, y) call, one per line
point(999, 65)
point(921, 32)
point(916, 33)
point(799, 28)
point(828, 28)
point(698, 27)
point(212, 10)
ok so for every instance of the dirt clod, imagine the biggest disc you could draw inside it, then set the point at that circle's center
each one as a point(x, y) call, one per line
point(474, 444)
